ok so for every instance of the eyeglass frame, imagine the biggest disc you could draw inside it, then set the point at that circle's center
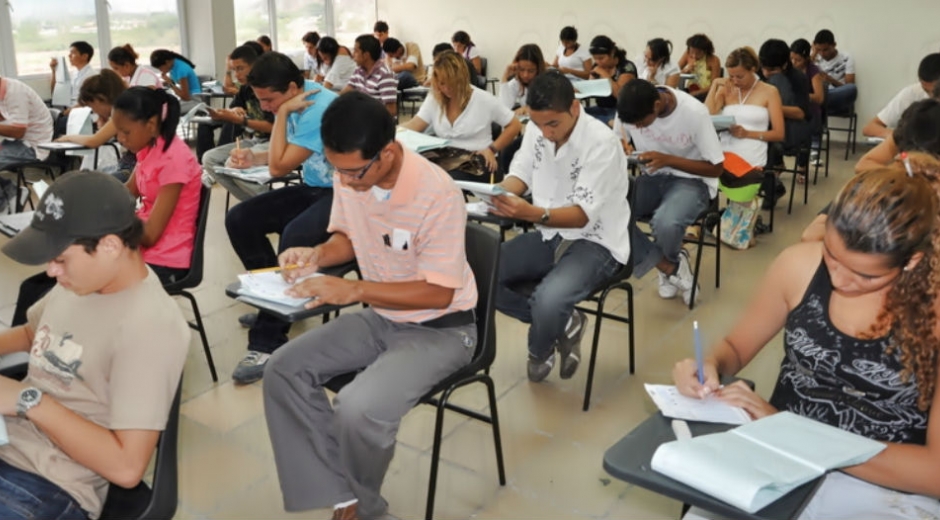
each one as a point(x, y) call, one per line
point(359, 172)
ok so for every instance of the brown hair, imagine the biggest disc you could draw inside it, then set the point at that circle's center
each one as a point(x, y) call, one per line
point(451, 68)
point(894, 212)
point(105, 86)
point(743, 57)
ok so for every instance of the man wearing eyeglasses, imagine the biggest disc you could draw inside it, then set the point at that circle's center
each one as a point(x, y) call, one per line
point(298, 213)
point(403, 219)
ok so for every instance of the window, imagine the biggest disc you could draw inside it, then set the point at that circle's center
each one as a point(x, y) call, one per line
point(146, 25)
point(252, 19)
point(295, 18)
point(352, 18)
point(43, 29)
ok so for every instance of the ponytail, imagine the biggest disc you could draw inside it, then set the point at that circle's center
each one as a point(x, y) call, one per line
point(144, 103)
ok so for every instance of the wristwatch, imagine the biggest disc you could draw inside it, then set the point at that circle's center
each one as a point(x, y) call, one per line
point(29, 397)
point(545, 217)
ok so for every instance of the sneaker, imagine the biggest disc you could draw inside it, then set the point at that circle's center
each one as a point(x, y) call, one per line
point(248, 320)
point(8, 197)
point(682, 279)
point(667, 291)
point(207, 179)
point(539, 370)
point(250, 368)
point(569, 346)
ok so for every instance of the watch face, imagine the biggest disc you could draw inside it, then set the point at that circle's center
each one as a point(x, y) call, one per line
point(29, 395)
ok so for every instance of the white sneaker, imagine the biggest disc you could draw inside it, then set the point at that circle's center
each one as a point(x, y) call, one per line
point(667, 291)
point(682, 278)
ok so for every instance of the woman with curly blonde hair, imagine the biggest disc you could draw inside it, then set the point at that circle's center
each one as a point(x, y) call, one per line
point(464, 115)
point(859, 316)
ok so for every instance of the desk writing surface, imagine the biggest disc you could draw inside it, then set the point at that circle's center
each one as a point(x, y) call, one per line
point(629, 460)
point(289, 315)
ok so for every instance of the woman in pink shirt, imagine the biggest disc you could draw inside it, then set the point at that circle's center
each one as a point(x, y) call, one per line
point(167, 177)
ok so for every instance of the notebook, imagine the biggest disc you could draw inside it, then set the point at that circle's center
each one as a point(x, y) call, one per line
point(201, 109)
point(270, 287)
point(757, 463)
point(482, 190)
point(419, 142)
point(256, 174)
point(592, 88)
point(711, 409)
point(722, 122)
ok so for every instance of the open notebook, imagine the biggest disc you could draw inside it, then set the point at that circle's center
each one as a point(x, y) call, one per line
point(711, 409)
point(592, 88)
point(270, 287)
point(419, 142)
point(753, 465)
point(255, 174)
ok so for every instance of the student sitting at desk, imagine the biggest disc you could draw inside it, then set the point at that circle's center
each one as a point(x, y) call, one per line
point(166, 180)
point(123, 60)
point(337, 64)
point(25, 121)
point(244, 120)
point(859, 316)
point(681, 160)
point(178, 74)
point(575, 170)
point(464, 115)
point(372, 75)
point(699, 59)
point(611, 63)
point(793, 88)
point(298, 213)
point(465, 47)
point(80, 54)
point(928, 75)
point(657, 69)
point(265, 42)
point(757, 113)
point(99, 93)
point(571, 58)
point(404, 60)
point(837, 69)
point(526, 65)
point(418, 329)
point(312, 62)
point(106, 349)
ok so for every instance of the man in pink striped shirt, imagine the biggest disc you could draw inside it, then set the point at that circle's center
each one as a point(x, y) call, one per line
point(373, 76)
point(403, 219)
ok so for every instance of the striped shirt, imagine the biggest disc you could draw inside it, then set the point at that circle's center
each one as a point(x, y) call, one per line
point(379, 83)
point(416, 234)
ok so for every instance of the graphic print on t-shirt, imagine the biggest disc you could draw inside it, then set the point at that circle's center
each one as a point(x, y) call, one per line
point(57, 356)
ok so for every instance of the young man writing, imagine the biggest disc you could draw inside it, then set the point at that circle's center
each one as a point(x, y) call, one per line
point(404, 220)
point(372, 76)
point(80, 55)
point(837, 69)
point(25, 122)
point(681, 160)
point(300, 214)
point(928, 75)
point(107, 347)
point(576, 172)
point(404, 60)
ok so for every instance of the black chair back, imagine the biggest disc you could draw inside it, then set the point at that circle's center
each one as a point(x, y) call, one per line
point(194, 277)
point(482, 246)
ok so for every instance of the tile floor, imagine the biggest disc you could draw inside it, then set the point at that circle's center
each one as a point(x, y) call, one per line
point(553, 450)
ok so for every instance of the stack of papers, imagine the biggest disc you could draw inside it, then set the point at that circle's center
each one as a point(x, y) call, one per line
point(711, 409)
point(271, 287)
point(256, 174)
point(592, 88)
point(418, 142)
point(482, 190)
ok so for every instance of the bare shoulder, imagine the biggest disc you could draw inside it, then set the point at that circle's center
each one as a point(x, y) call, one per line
point(794, 268)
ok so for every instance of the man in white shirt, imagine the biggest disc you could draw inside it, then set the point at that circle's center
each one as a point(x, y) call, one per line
point(404, 60)
point(928, 74)
point(25, 121)
point(681, 159)
point(80, 54)
point(576, 172)
point(837, 70)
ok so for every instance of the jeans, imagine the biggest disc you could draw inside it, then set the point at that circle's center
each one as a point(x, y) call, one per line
point(300, 214)
point(670, 204)
point(28, 495)
point(841, 100)
point(561, 285)
point(406, 80)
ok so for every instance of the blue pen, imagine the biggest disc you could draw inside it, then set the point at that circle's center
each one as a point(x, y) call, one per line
point(698, 353)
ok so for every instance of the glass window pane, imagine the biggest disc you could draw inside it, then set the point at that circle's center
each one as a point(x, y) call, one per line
point(146, 25)
point(43, 29)
point(295, 18)
point(352, 18)
point(251, 20)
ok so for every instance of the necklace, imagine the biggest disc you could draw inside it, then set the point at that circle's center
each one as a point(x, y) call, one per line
point(741, 101)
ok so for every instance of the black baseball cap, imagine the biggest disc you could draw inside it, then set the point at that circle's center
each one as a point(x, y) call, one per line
point(82, 204)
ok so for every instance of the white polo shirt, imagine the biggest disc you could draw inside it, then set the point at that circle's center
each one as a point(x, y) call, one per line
point(890, 115)
point(687, 132)
point(21, 106)
point(472, 129)
point(589, 171)
point(78, 78)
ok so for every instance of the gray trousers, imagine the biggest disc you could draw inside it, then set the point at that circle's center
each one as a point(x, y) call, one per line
point(330, 454)
point(217, 157)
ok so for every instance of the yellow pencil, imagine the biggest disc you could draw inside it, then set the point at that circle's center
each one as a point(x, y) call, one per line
point(238, 143)
point(273, 269)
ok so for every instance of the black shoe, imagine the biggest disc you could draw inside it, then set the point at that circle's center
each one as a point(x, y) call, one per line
point(248, 320)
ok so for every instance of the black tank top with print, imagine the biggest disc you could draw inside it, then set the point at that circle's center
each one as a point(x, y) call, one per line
point(842, 381)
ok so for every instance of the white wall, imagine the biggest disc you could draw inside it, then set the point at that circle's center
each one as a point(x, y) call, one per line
point(887, 38)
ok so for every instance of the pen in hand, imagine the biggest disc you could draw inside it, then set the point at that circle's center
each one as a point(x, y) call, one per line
point(699, 364)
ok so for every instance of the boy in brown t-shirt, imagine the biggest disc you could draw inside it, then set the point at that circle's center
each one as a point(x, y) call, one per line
point(107, 346)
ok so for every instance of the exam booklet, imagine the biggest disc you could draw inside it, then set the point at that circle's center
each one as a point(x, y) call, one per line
point(255, 174)
point(270, 286)
point(711, 409)
point(723, 122)
point(592, 88)
point(419, 142)
point(755, 464)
